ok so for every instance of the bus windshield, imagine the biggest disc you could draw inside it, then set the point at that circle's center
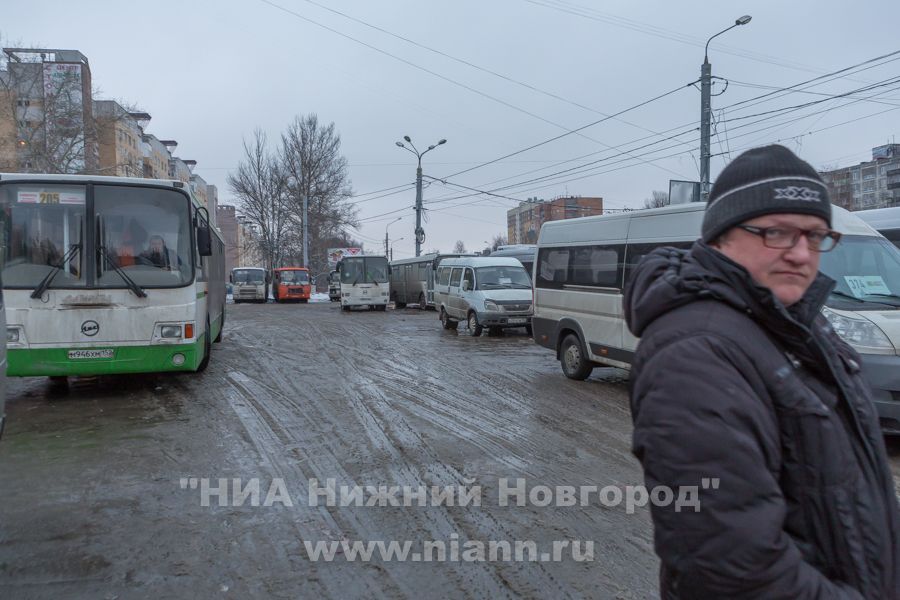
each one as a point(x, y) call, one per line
point(364, 269)
point(249, 276)
point(295, 277)
point(143, 231)
point(493, 278)
point(867, 271)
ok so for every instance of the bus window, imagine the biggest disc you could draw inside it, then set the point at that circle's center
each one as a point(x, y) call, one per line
point(147, 233)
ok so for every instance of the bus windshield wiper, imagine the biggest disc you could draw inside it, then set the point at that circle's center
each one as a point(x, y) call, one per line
point(48, 279)
point(138, 290)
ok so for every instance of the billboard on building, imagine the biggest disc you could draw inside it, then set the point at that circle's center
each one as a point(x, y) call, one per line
point(883, 151)
point(336, 254)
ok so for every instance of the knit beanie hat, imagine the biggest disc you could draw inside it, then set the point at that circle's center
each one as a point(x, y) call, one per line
point(763, 181)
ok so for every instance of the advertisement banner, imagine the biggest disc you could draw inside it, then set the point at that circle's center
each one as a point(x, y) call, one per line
point(336, 254)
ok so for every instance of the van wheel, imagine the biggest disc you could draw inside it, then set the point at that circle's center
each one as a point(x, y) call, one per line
point(345, 308)
point(474, 328)
point(446, 321)
point(421, 301)
point(207, 349)
point(573, 359)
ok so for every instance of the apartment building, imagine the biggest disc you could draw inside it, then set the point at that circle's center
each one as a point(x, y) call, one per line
point(870, 184)
point(120, 139)
point(524, 221)
point(47, 94)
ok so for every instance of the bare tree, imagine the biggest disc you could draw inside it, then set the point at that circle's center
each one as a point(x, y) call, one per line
point(49, 107)
point(498, 240)
point(657, 200)
point(261, 188)
point(311, 158)
point(459, 247)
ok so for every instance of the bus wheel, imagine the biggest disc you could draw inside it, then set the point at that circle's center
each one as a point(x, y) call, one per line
point(207, 349)
point(421, 301)
point(573, 359)
point(474, 328)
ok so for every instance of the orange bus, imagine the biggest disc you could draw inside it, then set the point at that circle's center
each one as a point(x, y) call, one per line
point(291, 284)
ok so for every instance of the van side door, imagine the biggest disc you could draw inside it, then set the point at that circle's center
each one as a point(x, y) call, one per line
point(467, 292)
point(453, 293)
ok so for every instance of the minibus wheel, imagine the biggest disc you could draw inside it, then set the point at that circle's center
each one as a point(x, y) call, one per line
point(446, 321)
point(421, 301)
point(474, 328)
point(573, 359)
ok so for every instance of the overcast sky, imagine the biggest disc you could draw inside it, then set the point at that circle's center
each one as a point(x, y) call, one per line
point(210, 71)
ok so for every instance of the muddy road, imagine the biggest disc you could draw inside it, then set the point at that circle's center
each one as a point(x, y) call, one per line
point(109, 488)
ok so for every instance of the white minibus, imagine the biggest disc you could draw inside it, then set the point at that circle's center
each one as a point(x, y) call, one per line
point(583, 264)
point(249, 284)
point(885, 220)
point(365, 281)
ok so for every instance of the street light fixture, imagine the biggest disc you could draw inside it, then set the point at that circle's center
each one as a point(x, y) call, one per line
point(706, 109)
point(386, 234)
point(420, 233)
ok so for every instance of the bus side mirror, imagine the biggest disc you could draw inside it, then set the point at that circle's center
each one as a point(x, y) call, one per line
point(204, 241)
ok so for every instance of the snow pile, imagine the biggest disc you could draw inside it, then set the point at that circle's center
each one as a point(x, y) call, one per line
point(319, 297)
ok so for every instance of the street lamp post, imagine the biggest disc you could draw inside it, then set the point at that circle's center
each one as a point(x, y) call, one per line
point(706, 110)
point(391, 256)
point(420, 233)
point(386, 234)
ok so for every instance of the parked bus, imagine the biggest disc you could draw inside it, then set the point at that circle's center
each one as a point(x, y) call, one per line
point(291, 284)
point(412, 279)
point(583, 265)
point(885, 220)
point(334, 286)
point(106, 275)
point(249, 284)
point(524, 253)
point(365, 281)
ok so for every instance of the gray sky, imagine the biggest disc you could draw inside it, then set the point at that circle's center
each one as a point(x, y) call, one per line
point(210, 71)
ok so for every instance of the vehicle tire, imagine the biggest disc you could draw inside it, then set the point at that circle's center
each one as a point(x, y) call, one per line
point(207, 349)
point(529, 330)
point(304, 300)
point(345, 308)
point(474, 328)
point(422, 301)
point(221, 329)
point(573, 359)
point(399, 304)
point(382, 307)
point(446, 321)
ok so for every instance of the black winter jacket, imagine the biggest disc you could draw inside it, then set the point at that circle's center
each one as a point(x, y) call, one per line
point(727, 383)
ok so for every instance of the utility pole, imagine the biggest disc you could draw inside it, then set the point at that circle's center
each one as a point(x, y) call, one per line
point(420, 233)
point(706, 110)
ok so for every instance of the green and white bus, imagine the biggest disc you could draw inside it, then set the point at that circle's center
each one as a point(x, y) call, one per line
point(107, 275)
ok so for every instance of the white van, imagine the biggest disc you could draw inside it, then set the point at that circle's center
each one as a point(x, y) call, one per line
point(583, 264)
point(524, 252)
point(484, 292)
point(885, 220)
point(249, 284)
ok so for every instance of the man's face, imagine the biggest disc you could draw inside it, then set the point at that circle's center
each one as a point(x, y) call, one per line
point(788, 272)
point(156, 246)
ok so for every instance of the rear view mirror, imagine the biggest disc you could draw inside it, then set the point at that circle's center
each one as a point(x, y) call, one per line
point(204, 241)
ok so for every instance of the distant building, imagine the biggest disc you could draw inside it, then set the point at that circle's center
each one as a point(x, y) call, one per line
point(872, 184)
point(226, 221)
point(156, 157)
point(524, 221)
point(120, 139)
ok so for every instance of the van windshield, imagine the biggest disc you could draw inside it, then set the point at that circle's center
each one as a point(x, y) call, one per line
point(494, 278)
point(866, 270)
point(249, 276)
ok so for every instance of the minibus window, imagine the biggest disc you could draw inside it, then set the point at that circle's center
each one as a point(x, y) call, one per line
point(553, 266)
point(455, 277)
point(444, 276)
point(594, 266)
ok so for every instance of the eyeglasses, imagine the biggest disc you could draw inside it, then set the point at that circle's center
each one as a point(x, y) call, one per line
point(783, 237)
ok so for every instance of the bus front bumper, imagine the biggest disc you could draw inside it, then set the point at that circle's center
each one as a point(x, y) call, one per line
point(53, 362)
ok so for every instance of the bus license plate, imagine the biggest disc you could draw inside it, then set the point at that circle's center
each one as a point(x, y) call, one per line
point(89, 354)
point(517, 321)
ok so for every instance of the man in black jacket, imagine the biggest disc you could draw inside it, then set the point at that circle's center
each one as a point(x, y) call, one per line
point(740, 379)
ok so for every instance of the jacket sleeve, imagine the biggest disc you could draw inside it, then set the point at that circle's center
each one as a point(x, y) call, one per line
point(697, 416)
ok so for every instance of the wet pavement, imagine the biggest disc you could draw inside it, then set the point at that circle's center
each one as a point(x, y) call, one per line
point(102, 483)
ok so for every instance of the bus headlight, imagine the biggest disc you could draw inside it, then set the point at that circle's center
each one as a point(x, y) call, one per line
point(860, 333)
point(12, 335)
point(170, 331)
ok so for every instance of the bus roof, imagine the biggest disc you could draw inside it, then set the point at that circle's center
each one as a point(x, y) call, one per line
point(291, 269)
